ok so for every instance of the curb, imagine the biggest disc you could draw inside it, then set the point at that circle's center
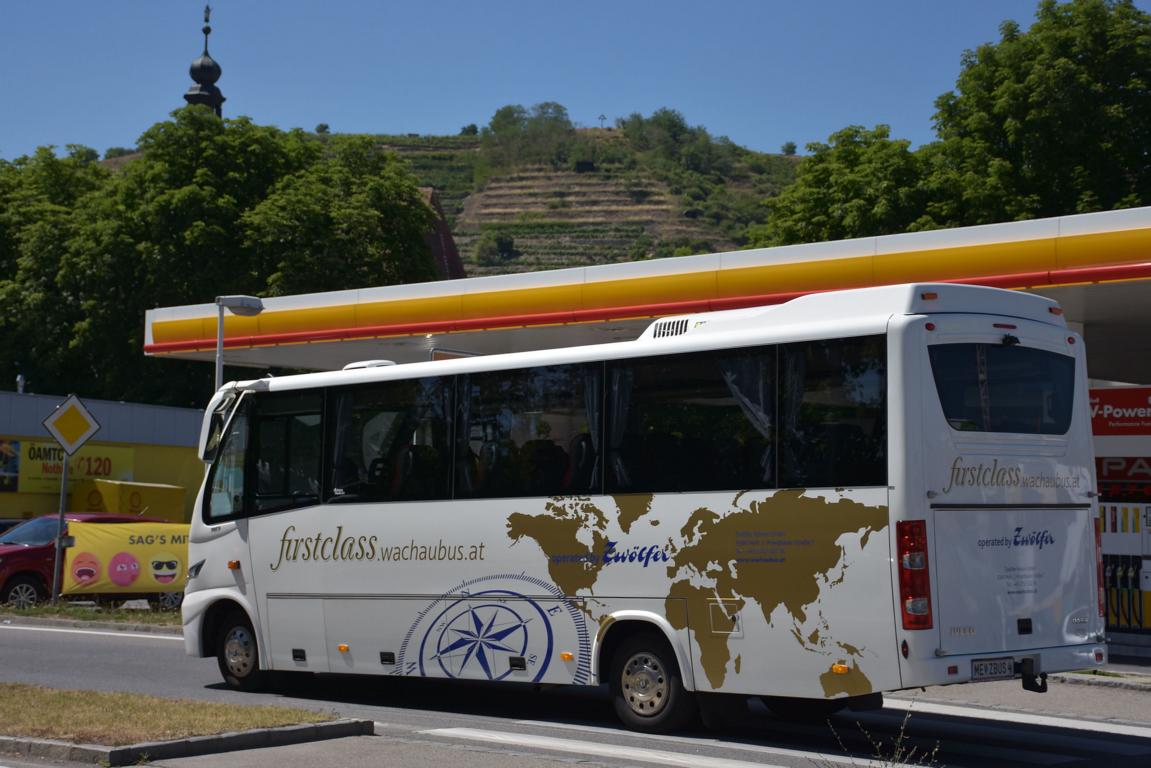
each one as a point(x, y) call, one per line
point(196, 745)
point(110, 626)
point(1129, 681)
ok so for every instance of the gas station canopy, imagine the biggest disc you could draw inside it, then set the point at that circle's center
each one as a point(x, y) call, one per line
point(1097, 265)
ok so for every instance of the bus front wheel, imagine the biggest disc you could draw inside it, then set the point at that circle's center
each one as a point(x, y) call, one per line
point(238, 653)
point(646, 687)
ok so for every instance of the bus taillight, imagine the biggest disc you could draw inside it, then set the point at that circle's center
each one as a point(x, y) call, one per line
point(914, 575)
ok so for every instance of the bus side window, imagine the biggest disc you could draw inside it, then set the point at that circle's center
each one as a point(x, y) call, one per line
point(701, 421)
point(833, 413)
point(528, 432)
point(225, 497)
point(286, 446)
point(391, 442)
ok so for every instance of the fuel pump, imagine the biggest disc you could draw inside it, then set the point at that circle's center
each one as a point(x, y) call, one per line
point(1109, 579)
point(1145, 590)
point(1124, 584)
point(1134, 579)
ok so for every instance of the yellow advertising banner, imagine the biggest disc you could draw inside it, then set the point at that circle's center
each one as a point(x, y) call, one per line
point(110, 558)
point(40, 464)
point(155, 500)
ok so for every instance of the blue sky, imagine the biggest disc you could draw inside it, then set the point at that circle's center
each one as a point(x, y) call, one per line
point(762, 73)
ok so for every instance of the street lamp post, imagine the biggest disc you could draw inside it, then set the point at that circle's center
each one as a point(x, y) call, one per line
point(245, 306)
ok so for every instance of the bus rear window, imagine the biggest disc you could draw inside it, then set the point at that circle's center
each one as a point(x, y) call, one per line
point(1003, 388)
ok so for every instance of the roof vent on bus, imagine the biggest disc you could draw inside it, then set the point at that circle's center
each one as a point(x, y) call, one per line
point(665, 328)
point(368, 364)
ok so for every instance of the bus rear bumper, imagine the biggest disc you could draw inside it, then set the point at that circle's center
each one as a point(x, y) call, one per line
point(1030, 665)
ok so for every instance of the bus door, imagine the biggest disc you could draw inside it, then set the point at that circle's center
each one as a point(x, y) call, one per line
point(288, 526)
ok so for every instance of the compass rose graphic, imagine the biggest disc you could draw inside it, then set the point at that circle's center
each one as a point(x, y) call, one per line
point(483, 626)
point(483, 635)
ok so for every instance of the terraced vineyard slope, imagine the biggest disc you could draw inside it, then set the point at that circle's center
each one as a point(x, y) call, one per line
point(558, 219)
point(622, 205)
point(445, 163)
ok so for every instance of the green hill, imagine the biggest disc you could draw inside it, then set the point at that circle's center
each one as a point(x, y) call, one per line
point(553, 197)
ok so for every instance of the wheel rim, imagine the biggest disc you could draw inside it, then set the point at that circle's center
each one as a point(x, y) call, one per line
point(240, 652)
point(23, 596)
point(644, 684)
point(170, 601)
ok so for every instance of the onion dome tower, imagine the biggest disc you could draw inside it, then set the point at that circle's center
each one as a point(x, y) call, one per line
point(205, 72)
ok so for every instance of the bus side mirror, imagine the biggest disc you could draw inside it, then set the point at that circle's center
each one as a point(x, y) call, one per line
point(216, 417)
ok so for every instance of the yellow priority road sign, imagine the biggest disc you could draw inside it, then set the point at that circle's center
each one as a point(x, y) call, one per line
point(71, 424)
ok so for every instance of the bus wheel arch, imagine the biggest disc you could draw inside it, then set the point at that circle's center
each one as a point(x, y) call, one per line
point(639, 660)
point(210, 624)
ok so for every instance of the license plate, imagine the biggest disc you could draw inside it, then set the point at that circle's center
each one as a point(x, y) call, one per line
point(992, 669)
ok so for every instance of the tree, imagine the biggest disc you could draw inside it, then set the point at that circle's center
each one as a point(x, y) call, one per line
point(323, 129)
point(547, 132)
point(861, 183)
point(471, 129)
point(354, 219)
point(38, 194)
point(112, 153)
point(788, 148)
point(1052, 121)
point(663, 133)
point(493, 250)
point(503, 135)
point(515, 135)
point(1048, 122)
point(164, 231)
point(210, 207)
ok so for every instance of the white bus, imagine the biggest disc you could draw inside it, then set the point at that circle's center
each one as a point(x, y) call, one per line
point(815, 502)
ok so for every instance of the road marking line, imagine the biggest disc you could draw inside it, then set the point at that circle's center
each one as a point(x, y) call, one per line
point(1002, 716)
point(142, 635)
point(821, 757)
point(589, 748)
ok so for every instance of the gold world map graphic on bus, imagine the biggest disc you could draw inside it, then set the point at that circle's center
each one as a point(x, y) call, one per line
point(785, 548)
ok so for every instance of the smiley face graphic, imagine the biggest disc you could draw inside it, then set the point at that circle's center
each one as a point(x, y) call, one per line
point(123, 569)
point(165, 567)
point(85, 568)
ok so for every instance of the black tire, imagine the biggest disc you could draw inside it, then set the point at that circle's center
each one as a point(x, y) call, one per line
point(646, 687)
point(722, 711)
point(168, 601)
point(803, 710)
point(238, 653)
point(23, 592)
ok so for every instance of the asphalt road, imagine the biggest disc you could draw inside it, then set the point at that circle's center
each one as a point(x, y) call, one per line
point(423, 723)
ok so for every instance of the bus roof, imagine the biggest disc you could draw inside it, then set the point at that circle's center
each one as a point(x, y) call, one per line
point(831, 314)
point(880, 302)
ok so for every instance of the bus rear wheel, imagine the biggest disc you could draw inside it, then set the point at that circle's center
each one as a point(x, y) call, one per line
point(238, 653)
point(646, 687)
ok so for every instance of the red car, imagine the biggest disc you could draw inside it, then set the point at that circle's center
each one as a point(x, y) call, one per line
point(28, 550)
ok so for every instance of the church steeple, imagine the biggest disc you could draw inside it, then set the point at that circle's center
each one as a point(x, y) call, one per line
point(205, 72)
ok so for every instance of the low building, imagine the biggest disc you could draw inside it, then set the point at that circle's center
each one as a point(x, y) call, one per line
point(132, 463)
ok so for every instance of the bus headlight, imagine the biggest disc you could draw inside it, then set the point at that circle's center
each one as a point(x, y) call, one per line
point(194, 570)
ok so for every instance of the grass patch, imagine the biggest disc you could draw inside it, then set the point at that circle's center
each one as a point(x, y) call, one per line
point(1097, 673)
point(95, 613)
point(117, 719)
